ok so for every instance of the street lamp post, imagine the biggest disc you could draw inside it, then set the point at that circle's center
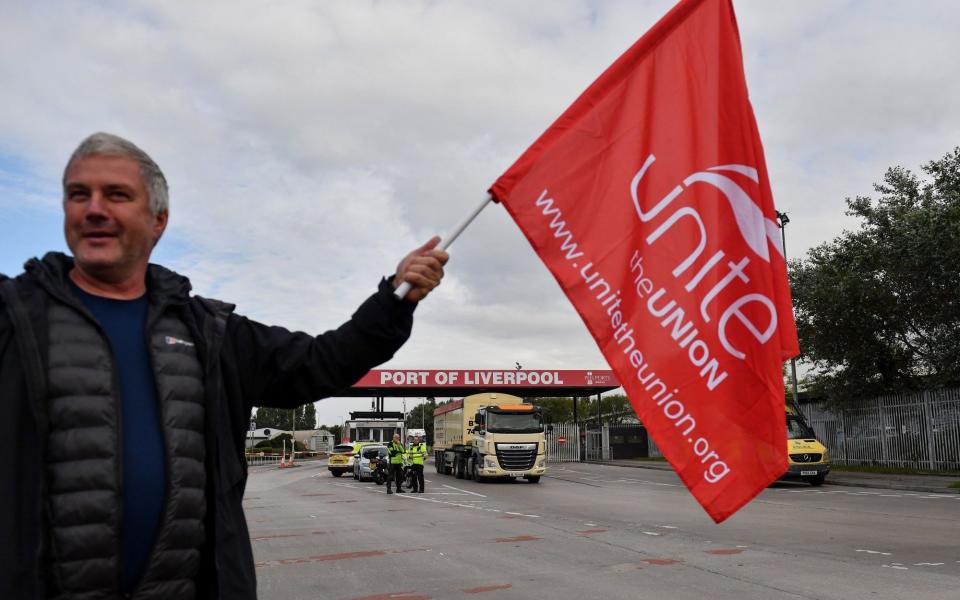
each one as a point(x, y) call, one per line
point(784, 219)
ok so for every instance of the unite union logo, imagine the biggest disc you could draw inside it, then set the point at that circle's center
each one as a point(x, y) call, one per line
point(755, 229)
point(724, 285)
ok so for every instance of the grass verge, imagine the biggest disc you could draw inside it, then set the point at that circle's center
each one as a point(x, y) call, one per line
point(893, 470)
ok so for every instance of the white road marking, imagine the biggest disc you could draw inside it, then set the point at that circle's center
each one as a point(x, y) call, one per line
point(897, 566)
point(925, 564)
point(874, 552)
point(464, 491)
point(667, 526)
point(650, 533)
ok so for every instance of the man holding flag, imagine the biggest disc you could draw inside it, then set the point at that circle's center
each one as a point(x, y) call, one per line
point(128, 397)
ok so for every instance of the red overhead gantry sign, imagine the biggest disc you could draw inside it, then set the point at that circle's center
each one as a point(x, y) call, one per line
point(461, 382)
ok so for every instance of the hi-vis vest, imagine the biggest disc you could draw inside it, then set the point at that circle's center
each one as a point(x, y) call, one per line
point(396, 451)
point(417, 453)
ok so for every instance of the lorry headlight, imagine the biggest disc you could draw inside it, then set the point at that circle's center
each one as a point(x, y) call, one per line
point(826, 456)
point(540, 463)
point(490, 461)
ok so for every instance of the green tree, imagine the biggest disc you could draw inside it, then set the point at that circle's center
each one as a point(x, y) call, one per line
point(421, 417)
point(615, 409)
point(277, 443)
point(336, 430)
point(877, 308)
point(274, 418)
point(307, 417)
point(556, 410)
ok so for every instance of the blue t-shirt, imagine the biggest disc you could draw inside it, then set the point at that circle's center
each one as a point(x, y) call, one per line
point(143, 451)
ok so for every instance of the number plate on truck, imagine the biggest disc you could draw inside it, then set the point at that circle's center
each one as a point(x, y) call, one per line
point(805, 473)
point(515, 474)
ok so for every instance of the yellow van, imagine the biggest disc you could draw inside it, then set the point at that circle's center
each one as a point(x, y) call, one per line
point(809, 459)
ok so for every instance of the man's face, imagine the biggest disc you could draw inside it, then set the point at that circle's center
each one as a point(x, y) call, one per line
point(396, 437)
point(107, 219)
point(416, 439)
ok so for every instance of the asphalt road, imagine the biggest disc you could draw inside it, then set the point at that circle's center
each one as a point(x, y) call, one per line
point(594, 531)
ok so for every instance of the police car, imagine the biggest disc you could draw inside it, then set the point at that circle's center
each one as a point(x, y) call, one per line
point(341, 459)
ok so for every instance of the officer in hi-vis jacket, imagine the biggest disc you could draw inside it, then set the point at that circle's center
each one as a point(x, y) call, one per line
point(417, 453)
point(396, 451)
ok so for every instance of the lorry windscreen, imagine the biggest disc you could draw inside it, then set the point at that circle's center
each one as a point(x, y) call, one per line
point(528, 422)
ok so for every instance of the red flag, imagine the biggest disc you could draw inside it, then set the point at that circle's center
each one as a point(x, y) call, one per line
point(649, 202)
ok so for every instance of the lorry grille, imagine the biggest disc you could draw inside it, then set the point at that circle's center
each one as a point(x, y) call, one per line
point(516, 457)
point(806, 458)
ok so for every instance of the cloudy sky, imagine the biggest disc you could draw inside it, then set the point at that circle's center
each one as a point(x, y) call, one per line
point(309, 145)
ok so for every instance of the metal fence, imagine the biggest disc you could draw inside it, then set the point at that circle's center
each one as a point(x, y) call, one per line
point(597, 444)
point(569, 450)
point(254, 460)
point(920, 430)
point(579, 443)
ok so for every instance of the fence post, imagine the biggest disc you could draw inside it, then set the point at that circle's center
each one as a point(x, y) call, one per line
point(843, 434)
point(931, 449)
point(576, 431)
point(883, 431)
point(605, 453)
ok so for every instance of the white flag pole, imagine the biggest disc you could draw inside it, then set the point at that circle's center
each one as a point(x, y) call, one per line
point(404, 287)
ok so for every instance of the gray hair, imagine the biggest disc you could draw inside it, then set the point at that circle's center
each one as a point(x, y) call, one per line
point(107, 144)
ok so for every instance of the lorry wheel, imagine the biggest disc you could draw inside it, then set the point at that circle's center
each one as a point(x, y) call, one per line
point(468, 471)
point(447, 469)
point(336, 473)
point(476, 473)
point(817, 481)
point(438, 463)
point(458, 466)
point(533, 478)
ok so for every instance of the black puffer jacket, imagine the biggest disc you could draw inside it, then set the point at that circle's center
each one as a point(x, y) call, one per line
point(245, 364)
